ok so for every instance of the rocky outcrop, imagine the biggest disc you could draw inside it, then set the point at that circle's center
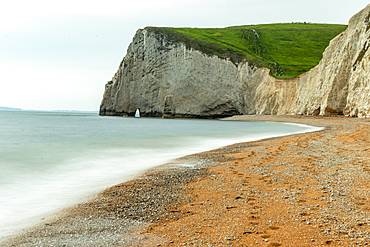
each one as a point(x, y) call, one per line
point(340, 83)
point(161, 77)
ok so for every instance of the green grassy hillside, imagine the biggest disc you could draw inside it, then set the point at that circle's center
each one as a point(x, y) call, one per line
point(288, 49)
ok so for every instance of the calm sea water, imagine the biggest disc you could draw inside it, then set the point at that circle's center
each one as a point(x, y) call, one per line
point(49, 161)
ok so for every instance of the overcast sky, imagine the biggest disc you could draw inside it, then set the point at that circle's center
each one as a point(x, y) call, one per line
point(60, 54)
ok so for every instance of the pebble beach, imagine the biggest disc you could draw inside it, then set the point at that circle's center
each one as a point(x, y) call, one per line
point(309, 189)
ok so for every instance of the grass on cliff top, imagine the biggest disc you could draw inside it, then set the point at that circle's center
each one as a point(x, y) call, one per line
point(288, 49)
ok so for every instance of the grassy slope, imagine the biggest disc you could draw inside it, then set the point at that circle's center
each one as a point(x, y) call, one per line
point(289, 49)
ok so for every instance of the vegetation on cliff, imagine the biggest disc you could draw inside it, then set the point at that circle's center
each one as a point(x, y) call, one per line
point(288, 49)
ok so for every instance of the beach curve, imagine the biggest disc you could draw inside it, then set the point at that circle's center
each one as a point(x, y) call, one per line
point(164, 198)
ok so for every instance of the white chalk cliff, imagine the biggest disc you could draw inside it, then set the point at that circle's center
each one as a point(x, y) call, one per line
point(160, 77)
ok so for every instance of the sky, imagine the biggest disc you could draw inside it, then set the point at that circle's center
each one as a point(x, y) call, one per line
point(58, 55)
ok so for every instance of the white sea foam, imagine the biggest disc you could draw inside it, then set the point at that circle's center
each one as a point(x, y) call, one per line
point(51, 161)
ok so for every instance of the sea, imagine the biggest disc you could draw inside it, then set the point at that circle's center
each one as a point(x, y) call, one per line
point(53, 160)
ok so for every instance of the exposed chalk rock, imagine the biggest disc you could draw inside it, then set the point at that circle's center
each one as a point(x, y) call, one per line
point(200, 85)
point(340, 83)
point(160, 77)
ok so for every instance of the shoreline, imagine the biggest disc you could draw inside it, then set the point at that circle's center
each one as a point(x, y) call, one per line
point(161, 195)
point(49, 216)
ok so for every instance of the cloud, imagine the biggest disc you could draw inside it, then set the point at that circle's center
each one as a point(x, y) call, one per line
point(52, 50)
point(37, 87)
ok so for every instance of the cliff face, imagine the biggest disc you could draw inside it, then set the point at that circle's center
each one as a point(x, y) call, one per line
point(340, 83)
point(160, 77)
point(155, 72)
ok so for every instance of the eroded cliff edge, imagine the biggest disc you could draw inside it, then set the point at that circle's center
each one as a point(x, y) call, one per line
point(161, 77)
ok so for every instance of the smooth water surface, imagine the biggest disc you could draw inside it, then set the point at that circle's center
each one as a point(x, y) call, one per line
point(49, 161)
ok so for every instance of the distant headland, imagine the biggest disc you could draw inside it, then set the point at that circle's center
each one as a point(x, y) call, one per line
point(4, 108)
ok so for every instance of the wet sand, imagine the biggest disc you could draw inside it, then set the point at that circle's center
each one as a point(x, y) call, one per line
point(300, 190)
